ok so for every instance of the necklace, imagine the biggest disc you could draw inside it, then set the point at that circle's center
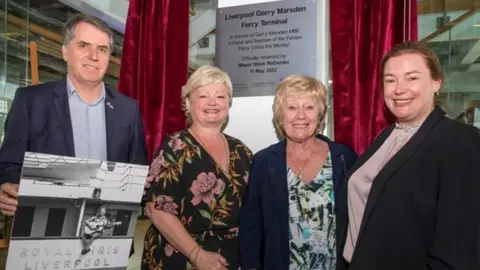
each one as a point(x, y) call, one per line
point(225, 171)
point(300, 169)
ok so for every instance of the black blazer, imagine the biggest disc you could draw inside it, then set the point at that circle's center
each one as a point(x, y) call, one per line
point(39, 121)
point(423, 210)
point(264, 229)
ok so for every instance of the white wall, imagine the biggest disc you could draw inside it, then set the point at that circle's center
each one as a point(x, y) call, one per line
point(251, 117)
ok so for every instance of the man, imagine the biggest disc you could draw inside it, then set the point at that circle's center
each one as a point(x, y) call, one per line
point(94, 228)
point(76, 116)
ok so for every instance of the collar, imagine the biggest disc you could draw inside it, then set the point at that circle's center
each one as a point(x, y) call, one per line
point(71, 89)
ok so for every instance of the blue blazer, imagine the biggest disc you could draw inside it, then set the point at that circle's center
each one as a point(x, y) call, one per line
point(39, 121)
point(264, 235)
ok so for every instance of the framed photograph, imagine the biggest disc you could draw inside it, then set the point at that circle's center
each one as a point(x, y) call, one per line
point(75, 213)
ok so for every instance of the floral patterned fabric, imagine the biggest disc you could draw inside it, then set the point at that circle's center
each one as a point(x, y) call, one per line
point(312, 221)
point(188, 183)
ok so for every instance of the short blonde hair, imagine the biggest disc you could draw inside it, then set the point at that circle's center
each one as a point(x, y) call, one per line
point(203, 76)
point(299, 86)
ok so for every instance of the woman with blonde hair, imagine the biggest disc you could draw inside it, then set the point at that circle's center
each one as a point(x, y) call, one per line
point(288, 215)
point(199, 178)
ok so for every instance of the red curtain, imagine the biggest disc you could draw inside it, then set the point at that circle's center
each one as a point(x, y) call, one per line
point(362, 31)
point(155, 64)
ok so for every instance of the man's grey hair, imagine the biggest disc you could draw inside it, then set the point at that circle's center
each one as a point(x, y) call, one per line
point(69, 28)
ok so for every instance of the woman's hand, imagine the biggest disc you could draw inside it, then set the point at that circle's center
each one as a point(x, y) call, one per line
point(206, 260)
point(202, 259)
point(148, 209)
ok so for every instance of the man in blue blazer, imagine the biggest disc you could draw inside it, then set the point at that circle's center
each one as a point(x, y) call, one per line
point(76, 116)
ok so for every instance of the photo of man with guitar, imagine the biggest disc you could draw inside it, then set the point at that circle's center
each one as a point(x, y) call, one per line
point(94, 228)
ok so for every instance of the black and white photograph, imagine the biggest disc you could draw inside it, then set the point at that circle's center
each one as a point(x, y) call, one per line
point(75, 213)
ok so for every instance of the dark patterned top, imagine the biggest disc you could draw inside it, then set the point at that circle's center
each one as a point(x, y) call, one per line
point(188, 183)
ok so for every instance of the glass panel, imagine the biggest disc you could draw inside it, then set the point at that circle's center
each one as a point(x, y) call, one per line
point(452, 29)
point(14, 38)
point(202, 33)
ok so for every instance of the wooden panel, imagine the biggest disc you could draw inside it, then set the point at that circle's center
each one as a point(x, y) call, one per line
point(3, 243)
point(7, 222)
point(34, 62)
point(438, 6)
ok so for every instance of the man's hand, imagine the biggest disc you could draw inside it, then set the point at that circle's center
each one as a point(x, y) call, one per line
point(8, 199)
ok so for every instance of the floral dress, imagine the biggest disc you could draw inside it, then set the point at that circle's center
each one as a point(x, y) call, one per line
point(312, 221)
point(188, 183)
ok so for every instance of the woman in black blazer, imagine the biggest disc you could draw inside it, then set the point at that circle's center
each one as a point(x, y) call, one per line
point(413, 198)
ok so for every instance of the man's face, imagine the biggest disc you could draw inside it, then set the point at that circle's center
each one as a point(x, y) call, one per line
point(87, 54)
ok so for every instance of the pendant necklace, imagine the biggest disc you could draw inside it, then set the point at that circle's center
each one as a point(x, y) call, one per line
point(300, 169)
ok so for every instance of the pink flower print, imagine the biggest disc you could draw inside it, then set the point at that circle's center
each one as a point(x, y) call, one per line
point(205, 187)
point(245, 178)
point(156, 165)
point(169, 249)
point(175, 143)
point(166, 204)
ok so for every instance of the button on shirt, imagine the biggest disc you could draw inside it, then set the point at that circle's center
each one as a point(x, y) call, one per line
point(88, 124)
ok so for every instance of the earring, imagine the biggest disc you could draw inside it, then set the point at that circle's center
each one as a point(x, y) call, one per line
point(435, 94)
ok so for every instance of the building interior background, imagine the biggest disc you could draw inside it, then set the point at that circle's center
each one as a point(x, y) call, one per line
point(451, 28)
